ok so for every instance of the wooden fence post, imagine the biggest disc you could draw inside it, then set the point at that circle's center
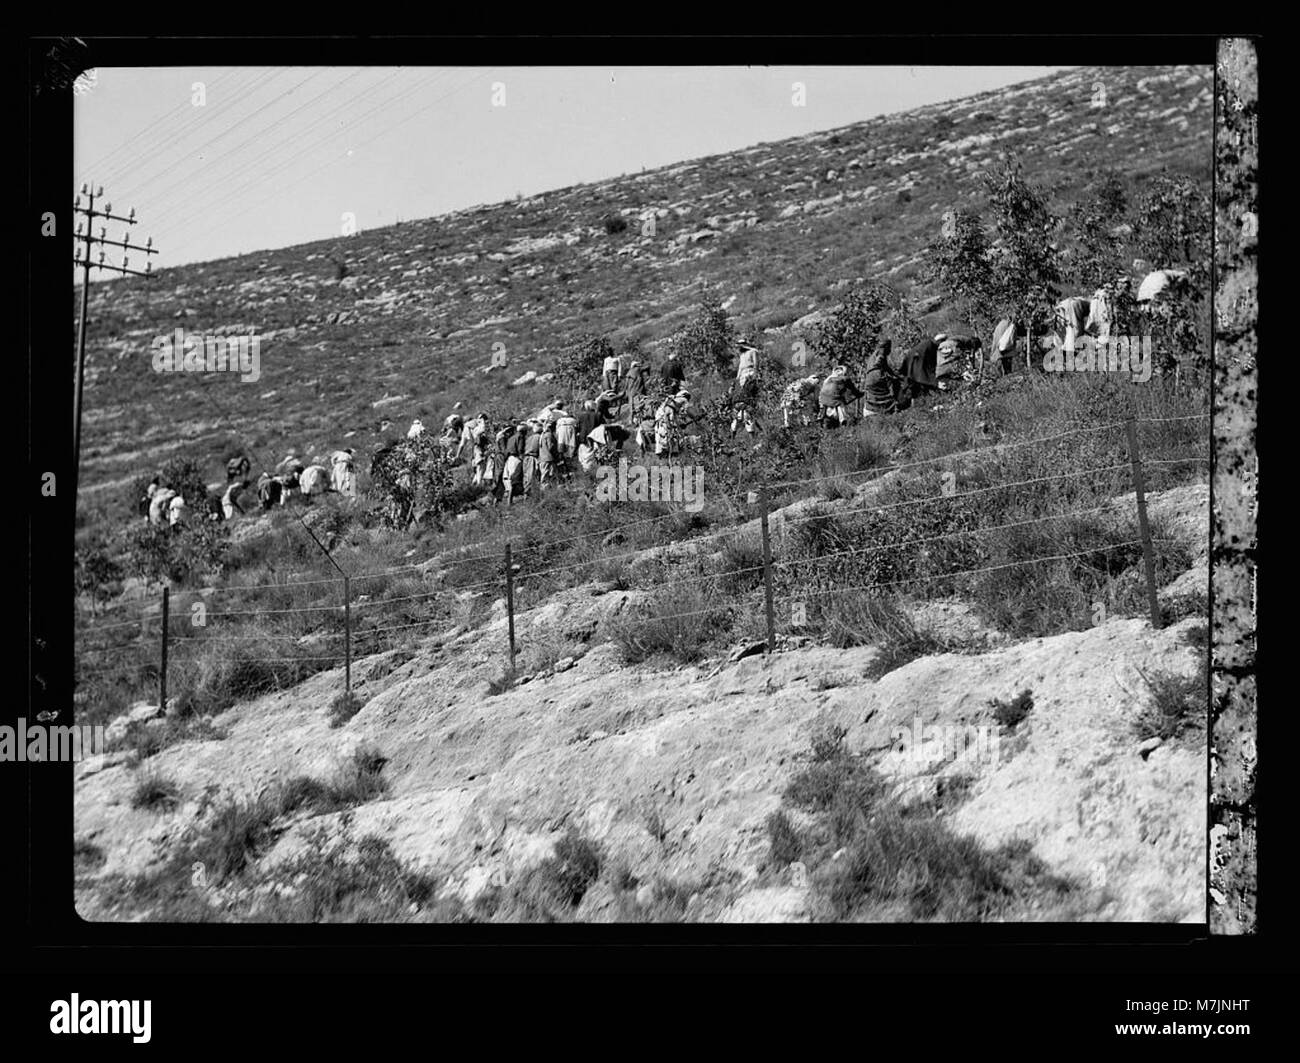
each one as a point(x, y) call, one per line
point(347, 634)
point(767, 571)
point(1144, 526)
point(510, 604)
point(162, 667)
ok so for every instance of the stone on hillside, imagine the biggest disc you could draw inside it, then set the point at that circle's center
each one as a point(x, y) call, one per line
point(528, 378)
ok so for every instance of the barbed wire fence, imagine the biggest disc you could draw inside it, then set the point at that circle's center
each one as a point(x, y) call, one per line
point(181, 622)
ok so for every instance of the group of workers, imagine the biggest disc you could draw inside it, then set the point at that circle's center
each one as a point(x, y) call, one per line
point(165, 506)
point(556, 445)
point(518, 456)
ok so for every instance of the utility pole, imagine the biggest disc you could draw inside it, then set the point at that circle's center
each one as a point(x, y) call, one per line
point(82, 256)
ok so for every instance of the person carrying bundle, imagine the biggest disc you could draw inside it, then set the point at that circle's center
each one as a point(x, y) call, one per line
point(644, 417)
point(269, 490)
point(343, 478)
point(837, 393)
point(799, 400)
point(453, 429)
point(236, 469)
point(159, 502)
point(608, 404)
point(230, 500)
point(666, 426)
point(480, 435)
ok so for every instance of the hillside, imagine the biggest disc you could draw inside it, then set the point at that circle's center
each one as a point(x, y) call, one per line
point(775, 231)
point(608, 733)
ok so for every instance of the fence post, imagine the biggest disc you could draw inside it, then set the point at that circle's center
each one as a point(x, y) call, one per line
point(767, 571)
point(162, 667)
point(1144, 526)
point(347, 633)
point(510, 604)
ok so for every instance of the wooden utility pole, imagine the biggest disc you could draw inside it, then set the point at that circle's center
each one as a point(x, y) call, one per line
point(82, 257)
point(767, 571)
point(347, 632)
point(162, 664)
point(510, 605)
point(1144, 525)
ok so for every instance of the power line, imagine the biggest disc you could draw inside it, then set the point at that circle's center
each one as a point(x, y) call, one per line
point(106, 162)
point(260, 177)
point(243, 167)
point(294, 184)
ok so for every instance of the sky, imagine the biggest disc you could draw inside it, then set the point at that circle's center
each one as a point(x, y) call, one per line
point(219, 161)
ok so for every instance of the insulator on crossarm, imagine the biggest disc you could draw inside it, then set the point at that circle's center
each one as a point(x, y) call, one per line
point(99, 191)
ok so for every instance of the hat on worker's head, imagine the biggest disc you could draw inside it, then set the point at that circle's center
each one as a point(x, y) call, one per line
point(672, 354)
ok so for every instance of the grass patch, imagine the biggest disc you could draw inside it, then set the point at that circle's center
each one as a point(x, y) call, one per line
point(872, 858)
point(681, 626)
point(357, 881)
point(345, 705)
point(87, 857)
point(500, 684)
point(154, 791)
point(550, 891)
point(1177, 705)
point(1010, 713)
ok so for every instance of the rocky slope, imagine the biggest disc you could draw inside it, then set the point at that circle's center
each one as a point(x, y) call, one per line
point(673, 771)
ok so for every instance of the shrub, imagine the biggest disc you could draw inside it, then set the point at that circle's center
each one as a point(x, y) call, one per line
point(614, 224)
point(154, 791)
point(579, 366)
point(183, 475)
point(410, 483)
point(238, 831)
point(707, 343)
point(345, 705)
point(785, 845)
point(575, 866)
point(1010, 713)
point(181, 554)
point(357, 881)
point(97, 574)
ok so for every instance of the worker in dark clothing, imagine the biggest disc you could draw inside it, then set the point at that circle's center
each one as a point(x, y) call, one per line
point(587, 420)
point(671, 374)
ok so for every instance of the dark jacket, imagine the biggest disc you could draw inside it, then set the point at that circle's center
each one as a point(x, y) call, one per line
point(671, 372)
point(635, 384)
point(587, 420)
point(517, 444)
